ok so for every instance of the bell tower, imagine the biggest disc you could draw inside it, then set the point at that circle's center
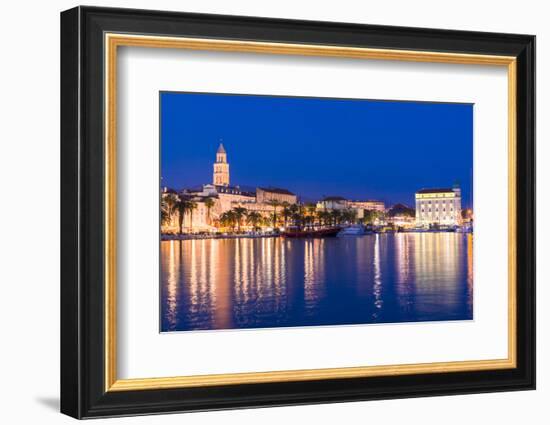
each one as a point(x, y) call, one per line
point(221, 168)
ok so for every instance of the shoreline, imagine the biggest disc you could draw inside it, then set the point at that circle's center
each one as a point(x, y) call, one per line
point(184, 237)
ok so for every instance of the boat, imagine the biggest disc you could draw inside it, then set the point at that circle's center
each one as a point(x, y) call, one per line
point(311, 233)
point(353, 230)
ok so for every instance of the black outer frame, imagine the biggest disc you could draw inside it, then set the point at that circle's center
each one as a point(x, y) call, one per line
point(82, 207)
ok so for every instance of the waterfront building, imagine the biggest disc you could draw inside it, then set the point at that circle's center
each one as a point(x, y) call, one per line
point(211, 200)
point(441, 206)
point(332, 203)
point(221, 168)
point(360, 207)
point(369, 204)
point(199, 216)
point(267, 194)
point(198, 219)
point(231, 195)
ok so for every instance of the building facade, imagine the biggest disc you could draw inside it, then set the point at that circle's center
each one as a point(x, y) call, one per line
point(198, 217)
point(442, 206)
point(267, 194)
point(369, 205)
point(210, 201)
point(332, 203)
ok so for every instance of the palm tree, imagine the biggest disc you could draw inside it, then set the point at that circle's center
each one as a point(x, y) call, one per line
point(190, 207)
point(183, 206)
point(336, 216)
point(265, 221)
point(164, 216)
point(253, 218)
point(286, 212)
point(369, 216)
point(311, 211)
point(274, 203)
point(228, 219)
point(167, 206)
point(239, 212)
point(349, 216)
point(294, 210)
point(209, 203)
point(323, 217)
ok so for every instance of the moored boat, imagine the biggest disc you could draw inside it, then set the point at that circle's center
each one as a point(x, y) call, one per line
point(311, 233)
point(353, 230)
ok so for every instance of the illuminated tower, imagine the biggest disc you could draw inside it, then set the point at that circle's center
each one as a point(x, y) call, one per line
point(221, 168)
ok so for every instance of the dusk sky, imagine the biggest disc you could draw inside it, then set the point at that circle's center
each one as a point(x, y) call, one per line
point(315, 147)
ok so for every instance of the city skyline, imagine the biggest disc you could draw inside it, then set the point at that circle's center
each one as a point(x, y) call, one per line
point(418, 144)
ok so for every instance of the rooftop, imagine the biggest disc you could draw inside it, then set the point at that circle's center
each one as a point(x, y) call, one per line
point(436, 190)
point(221, 149)
point(276, 190)
point(334, 198)
point(235, 190)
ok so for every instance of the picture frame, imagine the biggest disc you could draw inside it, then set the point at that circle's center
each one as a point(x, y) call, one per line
point(90, 40)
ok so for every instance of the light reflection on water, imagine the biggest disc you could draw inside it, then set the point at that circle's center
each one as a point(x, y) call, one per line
point(275, 282)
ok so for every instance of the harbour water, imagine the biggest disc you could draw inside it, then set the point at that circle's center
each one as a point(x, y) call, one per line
point(277, 282)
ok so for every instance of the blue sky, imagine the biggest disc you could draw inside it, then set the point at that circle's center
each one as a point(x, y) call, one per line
point(315, 147)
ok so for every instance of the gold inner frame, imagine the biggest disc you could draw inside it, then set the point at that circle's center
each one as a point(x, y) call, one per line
point(113, 41)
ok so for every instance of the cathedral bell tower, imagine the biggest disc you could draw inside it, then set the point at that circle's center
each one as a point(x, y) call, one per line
point(221, 168)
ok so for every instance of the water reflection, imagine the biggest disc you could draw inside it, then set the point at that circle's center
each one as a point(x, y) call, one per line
point(273, 282)
point(377, 277)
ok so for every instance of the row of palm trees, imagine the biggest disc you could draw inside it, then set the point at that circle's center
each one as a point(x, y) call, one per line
point(283, 214)
point(172, 204)
point(235, 217)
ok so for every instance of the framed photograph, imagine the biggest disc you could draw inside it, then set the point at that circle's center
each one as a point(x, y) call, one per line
point(261, 212)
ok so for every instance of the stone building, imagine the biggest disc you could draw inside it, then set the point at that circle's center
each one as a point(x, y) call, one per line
point(267, 194)
point(440, 206)
point(368, 204)
point(332, 203)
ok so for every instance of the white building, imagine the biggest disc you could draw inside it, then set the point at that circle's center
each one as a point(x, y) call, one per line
point(332, 203)
point(438, 207)
point(369, 204)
